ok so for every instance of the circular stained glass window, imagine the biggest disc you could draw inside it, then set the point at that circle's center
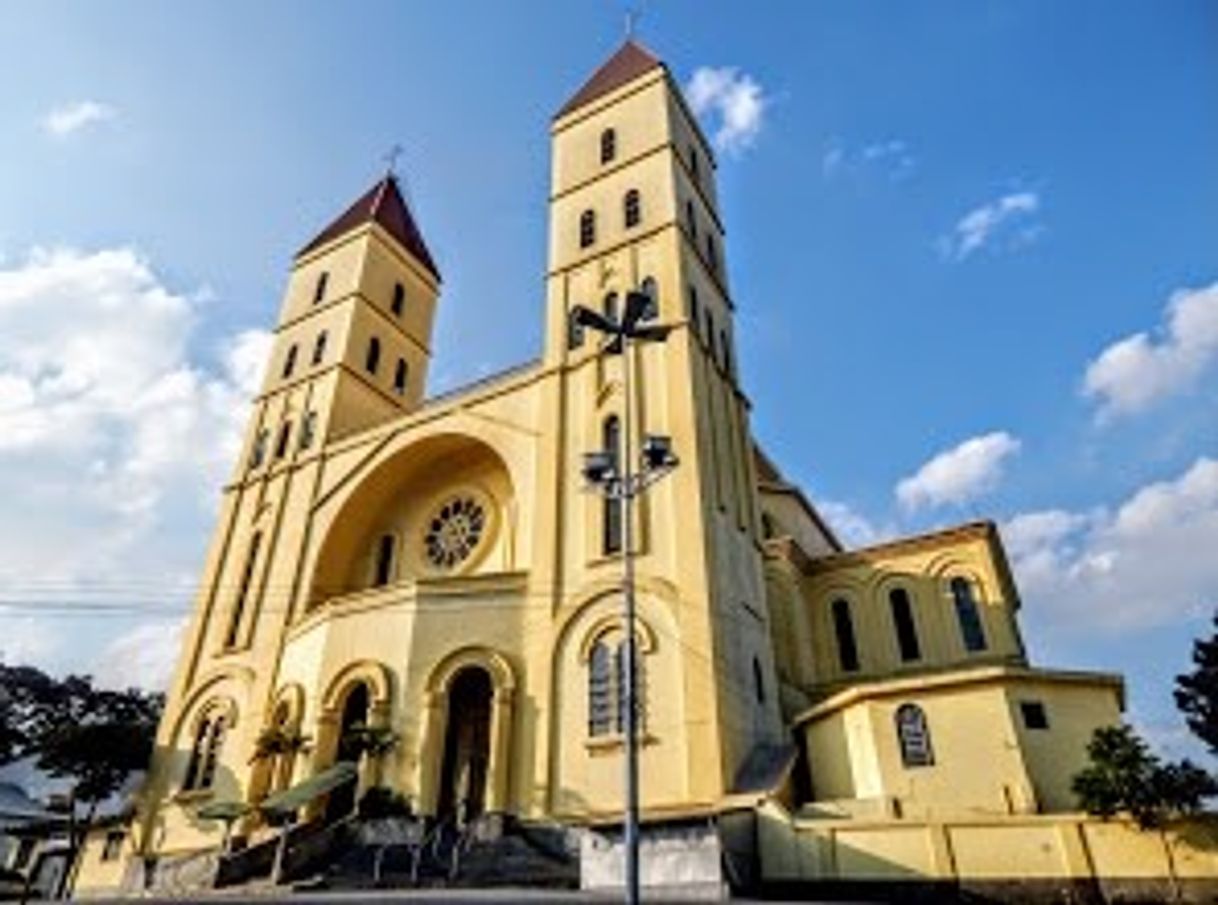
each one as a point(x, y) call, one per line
point(454, 532)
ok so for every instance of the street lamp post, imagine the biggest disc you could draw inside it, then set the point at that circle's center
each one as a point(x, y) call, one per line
point(612, 473)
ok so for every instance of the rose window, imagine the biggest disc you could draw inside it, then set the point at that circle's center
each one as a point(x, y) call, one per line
point(454, 532)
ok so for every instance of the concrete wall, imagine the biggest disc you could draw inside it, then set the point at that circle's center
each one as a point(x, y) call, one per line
point(1013, 857)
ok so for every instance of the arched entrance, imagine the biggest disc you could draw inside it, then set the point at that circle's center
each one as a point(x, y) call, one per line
point(467, 746)
point(355, 716)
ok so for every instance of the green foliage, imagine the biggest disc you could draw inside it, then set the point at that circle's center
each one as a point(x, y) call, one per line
point(275, 740)
point(380, 802)
point(1124, 776)
point(24, 692)
point(1197, 691)
point(374, 741)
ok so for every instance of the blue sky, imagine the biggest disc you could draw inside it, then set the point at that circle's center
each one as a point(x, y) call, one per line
point(948, 223)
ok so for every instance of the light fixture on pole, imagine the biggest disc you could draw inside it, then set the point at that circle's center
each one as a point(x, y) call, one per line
point(613, 473)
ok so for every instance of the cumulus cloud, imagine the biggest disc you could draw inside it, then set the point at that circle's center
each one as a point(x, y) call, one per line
point(113, 439)
point(143, 657)
point(735, 99)
point(1148, 562)
point(1007, 222)
point(70, 118)
point(1134, 373)
point(959, 474)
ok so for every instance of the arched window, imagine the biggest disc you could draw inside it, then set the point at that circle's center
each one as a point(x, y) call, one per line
point(587, 229)
point(373, 359)
point(319, 348)
point(694, 313)
point(258, 454)
point(758, 681)
point(903, 622)
point(967, 615)
point(843, 630)
point(319, 291)
point(712, 258)
point(243, 592)
point(600, 690)
point(281, 445)
point(913, 735)
point(650, 289)
point(691, 222)
point(609, 307)
point(611, 517)
point(308, 428)
point(399, 299)
point(608, 145)
point(640, 686)
point(211, 753)
point(289, 362)
point(632, 208)
point(384, 561)
point(198, 751)
point(399, 377)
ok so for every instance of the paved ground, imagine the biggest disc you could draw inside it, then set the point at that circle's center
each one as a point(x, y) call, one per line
point(415, 896)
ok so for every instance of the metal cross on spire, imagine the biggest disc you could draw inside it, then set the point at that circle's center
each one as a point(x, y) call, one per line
point(633, 14)
point(391, 159)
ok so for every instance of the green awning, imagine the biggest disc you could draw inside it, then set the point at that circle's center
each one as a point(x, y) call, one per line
point(289, 800)
point(223, 810)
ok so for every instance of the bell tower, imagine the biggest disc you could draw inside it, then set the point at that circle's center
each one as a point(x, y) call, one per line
point(633, 205)
point(353, 341)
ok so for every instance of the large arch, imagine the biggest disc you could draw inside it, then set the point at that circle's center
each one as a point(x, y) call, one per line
point(396, 494)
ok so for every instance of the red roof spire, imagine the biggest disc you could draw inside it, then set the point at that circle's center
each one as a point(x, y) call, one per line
point(631, 61)
point(382, 204)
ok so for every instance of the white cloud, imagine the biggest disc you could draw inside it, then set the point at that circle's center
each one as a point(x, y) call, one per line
point(736, 98)
point(143, 657)
point(960, 474)
point(113, 441)
point(891, 158)
point(1149, 562)
point(63, 121)
point(1008, 222)
point(1132, 374)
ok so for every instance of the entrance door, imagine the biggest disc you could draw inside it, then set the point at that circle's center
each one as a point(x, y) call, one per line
point(355, 714)
point(467, 745)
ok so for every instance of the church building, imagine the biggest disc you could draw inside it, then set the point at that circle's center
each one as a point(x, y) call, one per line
point(432, 572)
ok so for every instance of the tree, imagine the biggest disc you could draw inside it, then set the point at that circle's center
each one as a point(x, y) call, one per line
point(1123, 775)
point(1197, 691)
point(24, 691)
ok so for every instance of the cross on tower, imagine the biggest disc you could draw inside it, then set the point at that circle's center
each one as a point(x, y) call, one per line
point(391, 159)
point(633, 14)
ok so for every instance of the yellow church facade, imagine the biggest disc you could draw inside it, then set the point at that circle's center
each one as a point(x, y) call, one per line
point(433, 567)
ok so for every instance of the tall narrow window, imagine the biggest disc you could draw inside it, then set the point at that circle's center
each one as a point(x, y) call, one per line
point(399, 377)
point(913, 736)
point(289, 362)
point(243, 591)
point(308, 428)
point(693, 163)
point(608, 145)
point(632, 208)
point(600, 690)
point(967, 615)
point(319, 291)
point(727, 351)
point(319, 348)
point(285, 435)
point(758, 682)
point(258, 454)
point(198, 751)
point(619, 681)
point(691, 222)
point(211, 753)
point(649, 288)
point(384, 561)
point(903, 621)
point(399, 299)
point(843, 631)
point(611, 518)
point(694, 314)
point(710, 331)
point(712, 257)
point(373, 359)
point(587, 229)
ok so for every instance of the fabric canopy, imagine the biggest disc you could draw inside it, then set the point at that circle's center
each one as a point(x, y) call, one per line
point(289, 800)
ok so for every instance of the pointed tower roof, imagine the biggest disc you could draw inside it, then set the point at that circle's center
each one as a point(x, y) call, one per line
point(382, 204)
point(631, 61)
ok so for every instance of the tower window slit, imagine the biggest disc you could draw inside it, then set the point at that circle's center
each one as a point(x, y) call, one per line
point(633, 208)
point(611, 516)
point(384, 560)
point(587, 229)
point(608, 145)
point(285, 435)
point(903, 621)
point(967, 615)
point(319, 348)
point(373, 359)
point(399, 377)
point(289, 362)
point(399, 299)
point(243, 591)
